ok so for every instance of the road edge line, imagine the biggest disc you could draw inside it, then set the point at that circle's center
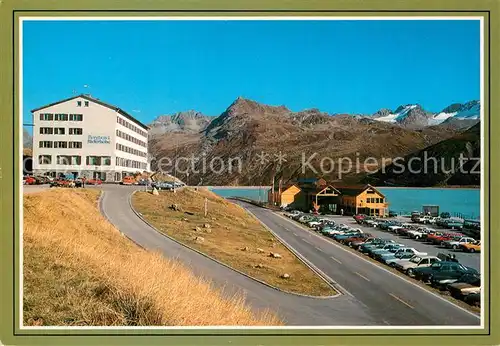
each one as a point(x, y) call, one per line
point(299, 256)
point(381, 268)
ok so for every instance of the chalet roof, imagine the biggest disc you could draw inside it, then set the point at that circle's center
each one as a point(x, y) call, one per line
point(354, 190)
point(89, 98)
point(321, 188)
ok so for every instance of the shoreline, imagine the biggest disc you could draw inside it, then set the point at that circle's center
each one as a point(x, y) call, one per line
point(430, 187)
point(222, 187)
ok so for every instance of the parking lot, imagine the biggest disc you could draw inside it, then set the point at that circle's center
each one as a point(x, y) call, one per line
point(472, 260)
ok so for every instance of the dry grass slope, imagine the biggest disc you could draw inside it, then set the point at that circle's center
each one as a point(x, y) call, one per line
point(234, 237)
point(79, 271)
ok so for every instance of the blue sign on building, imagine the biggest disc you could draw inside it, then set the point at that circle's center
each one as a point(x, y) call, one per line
point(99, 139)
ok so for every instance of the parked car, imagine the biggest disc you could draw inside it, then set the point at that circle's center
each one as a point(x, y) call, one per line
point(398, 257)
point(456, 242)
point(354, 232)
point(355, 244)
point(392, 213)
point(419, 233)
point(160, 185)
point(325, 224)
point(305, 219)
point(388, 248)
point(430, 220)
point(454, 224)
point(471, 247)
point(29, 180)
point(93, 181)
point(384, 225)
point(439, 238)
point(371, 223)
point(422, 218)
point(355, 238)
point(394, 228)
point(408, 267)
point(359, 217)
point(464, 285)
point(61, 182)
point(400, 253)
point(314, 222)
point(405, 228)
point(442, 270)
point(380, 243)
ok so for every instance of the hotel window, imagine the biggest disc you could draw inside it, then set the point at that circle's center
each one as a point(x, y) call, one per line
point(61, 117)
point(46, 130)
point(93, 160)
point(86, 103)
point(106, 160)
point(76, 160)
point(45, 159)
point(62, 145)
point(45, 144)
point(59, 131)
point(76, 117)
point(46, 116)
point(75, 131)
point(63, 160)
point(75, 145)
point(78, 103)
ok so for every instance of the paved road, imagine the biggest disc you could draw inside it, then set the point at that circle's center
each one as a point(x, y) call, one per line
point(34, 188)
point(375, 297)
point(388, 297)
point(472, 260)
point(293, 309)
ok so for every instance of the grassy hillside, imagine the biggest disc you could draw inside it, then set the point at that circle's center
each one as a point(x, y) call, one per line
point(447, 172)
point(234, 237)
point(79, 271)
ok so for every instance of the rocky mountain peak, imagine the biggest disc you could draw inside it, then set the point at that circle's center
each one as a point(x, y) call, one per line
point(190, 121)
point(245, 106)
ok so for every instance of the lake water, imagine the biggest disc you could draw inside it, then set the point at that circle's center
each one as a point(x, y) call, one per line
point(458, 202)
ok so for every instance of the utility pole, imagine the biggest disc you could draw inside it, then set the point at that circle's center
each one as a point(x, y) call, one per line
point(175, 164)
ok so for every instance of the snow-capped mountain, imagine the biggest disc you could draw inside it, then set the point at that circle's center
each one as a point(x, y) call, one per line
point(413, 115)
point(469, 110)
point(396, 117)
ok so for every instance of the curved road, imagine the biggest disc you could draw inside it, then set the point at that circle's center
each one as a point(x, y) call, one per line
point(375, 296)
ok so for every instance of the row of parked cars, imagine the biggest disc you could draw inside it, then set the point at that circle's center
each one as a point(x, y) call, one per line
point(78, 182)
point(166, 185)
point(441, 271)
point(445, 239)
point(36, 180)
point(445, 221)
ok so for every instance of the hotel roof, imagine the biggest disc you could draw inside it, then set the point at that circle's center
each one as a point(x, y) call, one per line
point(89, 98)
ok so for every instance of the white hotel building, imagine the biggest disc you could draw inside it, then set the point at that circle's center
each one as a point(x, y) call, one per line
point(84, 136)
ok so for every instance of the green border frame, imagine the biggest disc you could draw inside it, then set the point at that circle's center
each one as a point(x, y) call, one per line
point(10, 11)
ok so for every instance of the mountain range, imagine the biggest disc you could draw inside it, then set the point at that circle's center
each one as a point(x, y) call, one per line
point(414, 116)
point(247, 130)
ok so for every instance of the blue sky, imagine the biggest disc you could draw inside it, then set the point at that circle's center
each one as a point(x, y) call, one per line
point(151, 68)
